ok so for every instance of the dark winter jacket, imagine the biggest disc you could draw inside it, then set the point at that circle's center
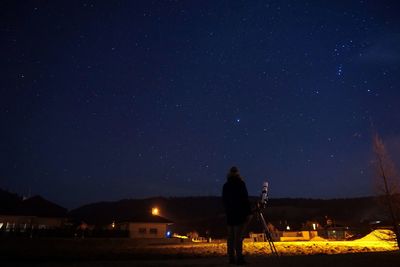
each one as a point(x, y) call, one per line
point(236, 200)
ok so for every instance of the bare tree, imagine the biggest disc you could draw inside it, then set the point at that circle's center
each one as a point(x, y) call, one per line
point(388, 183)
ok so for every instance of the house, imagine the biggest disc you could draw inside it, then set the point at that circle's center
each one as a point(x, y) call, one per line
point(32, 213)
point(21, 222)
point(298, 235)
point(146, 226)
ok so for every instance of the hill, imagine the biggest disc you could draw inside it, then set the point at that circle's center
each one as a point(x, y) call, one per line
point(9, 202)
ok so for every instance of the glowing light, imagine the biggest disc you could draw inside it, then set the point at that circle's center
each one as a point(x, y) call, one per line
point(180, 236)
point(155, 211)
point(168, 234)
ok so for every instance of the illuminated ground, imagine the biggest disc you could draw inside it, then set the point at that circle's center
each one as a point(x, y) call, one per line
point(377, 241)
point(368, 251)
point(284, 248)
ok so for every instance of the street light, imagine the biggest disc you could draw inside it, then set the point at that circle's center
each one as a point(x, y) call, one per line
point(155, 211)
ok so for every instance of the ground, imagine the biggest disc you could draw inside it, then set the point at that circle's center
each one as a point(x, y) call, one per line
point(387, 259)
point(368, 251)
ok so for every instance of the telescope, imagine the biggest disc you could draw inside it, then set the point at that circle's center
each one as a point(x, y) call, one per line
point(262, 203)
point(264, 194)
point(259, 207)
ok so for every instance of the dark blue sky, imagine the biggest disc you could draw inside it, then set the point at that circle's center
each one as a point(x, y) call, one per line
point(103, 100)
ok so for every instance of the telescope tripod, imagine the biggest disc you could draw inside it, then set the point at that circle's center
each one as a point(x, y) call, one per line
point(267, 233)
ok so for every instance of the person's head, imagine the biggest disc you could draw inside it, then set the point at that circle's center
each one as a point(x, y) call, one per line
point(233, 172)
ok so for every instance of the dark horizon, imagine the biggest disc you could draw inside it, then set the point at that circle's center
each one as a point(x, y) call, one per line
point(251, 197)
point(127, 99)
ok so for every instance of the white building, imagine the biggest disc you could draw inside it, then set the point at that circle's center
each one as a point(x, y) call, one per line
point(151, 226)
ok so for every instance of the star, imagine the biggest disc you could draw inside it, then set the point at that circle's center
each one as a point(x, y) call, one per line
point(159, 97)
point(340, 70)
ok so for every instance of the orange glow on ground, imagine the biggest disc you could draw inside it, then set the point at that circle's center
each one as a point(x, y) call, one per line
point(375, 241)
point(320, 247)
point(369, 243)
point(283, 248)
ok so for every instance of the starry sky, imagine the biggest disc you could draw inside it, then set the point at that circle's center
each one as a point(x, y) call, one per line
point(105, 100)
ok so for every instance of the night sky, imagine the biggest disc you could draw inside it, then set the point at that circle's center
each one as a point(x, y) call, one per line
point(105, 100)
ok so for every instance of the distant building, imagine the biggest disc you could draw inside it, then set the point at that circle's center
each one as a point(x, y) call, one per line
point(22, 222)
point(256, 237)
point(32, 213)
point(148, 226)
point(298, 235)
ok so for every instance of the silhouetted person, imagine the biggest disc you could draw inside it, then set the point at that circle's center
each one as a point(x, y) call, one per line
point(237, 209)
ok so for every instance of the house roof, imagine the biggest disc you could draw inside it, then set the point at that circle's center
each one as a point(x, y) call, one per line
point(12, 204)
point(41, 207)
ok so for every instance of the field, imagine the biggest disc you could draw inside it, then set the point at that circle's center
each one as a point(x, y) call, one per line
point(368, 251)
